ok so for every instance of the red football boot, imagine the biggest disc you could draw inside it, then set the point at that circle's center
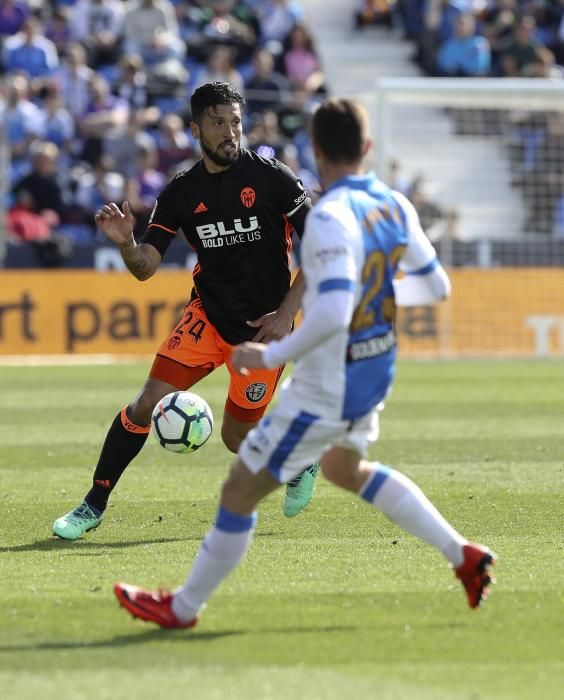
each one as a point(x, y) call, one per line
point(151, 606)
point(475, 572)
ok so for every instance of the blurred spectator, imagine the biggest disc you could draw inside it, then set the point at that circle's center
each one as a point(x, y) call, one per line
point(143, 189)
point(57, 29)
point(544, 65)
point(173, 143)
point(24, 225)
point(23, 122)
point(59, 124)
point(149, 26)
point(465, 54)
point(374, 12)
point(97, 25)
point(300, 59)
point(411, 13)
point(13, 14)
point(96, 187)
point(517, 58)
point(220, 67)
point(289, 155)
point(104, 112)
point(439, 19)
point(266, 88)
point(497, 22)
point(293, 115)
point(30, 52)
point(131, 84)
point(395, 179)
point(43, 192)
point(277, 18)
point(123, 143)
point(74, 78)
point(265, 136)
point(448, 13)
point(231, 24)
point(436, 221)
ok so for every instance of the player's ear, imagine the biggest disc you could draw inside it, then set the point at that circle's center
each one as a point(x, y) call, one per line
point(195, 129)
point(367, 145)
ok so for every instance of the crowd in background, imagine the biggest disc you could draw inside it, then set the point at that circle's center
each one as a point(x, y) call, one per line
point(476, 38)
point(94, 98)
point(495, 38)
point(94, 94)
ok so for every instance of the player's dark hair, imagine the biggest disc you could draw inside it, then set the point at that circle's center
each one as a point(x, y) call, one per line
point(340, 130)
point(212, 94)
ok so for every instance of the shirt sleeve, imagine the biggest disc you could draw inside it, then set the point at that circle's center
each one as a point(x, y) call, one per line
point(329, 314)
point(291, 196)
point(425, 281)
point(419, 255)
point(164, 221)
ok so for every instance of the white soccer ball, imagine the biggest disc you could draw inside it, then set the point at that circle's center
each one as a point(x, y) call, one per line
point(182, 422)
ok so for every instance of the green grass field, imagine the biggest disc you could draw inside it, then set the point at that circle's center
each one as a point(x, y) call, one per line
point(335, 604)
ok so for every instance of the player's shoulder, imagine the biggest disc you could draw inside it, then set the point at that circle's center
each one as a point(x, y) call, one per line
point(177, 185)
point(334, 207)
point(185, 175)
point(269, 167)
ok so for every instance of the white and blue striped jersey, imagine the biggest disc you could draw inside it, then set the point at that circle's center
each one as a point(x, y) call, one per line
point(356, 237)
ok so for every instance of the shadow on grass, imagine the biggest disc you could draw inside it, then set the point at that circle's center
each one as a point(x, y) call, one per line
point(54, 543)
point(180, 635)
point(168, 635)
point(123, 640)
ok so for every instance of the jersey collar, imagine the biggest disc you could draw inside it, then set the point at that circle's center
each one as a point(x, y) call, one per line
point(355, 182)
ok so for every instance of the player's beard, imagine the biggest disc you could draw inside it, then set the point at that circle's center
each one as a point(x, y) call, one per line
point(217, 157)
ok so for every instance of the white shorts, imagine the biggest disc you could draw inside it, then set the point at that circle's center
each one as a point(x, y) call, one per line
point(287, 440)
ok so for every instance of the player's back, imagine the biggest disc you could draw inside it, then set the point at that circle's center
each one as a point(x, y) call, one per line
point(354, 239)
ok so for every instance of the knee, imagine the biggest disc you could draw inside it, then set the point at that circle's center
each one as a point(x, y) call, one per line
point(232, 439)
point(231, 442)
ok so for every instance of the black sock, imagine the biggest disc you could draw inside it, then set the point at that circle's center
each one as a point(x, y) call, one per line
point(121, 446)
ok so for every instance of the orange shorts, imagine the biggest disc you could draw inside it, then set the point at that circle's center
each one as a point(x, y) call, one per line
point(194, 349)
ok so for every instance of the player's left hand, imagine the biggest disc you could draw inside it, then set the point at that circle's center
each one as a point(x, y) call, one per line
point(272, 326)
point(248, 356)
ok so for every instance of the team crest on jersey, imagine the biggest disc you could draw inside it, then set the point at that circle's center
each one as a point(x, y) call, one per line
point(248, 196)
point(174, 342)
point(256, 391)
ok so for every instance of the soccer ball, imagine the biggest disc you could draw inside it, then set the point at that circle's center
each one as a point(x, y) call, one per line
point(182, 422)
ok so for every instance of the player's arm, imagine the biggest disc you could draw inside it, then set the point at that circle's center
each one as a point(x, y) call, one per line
point(331, 312)
point(142, 259)
point(426, 281)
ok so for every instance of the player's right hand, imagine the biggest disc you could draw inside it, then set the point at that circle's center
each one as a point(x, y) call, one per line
point(117, 225)
point(248, 356)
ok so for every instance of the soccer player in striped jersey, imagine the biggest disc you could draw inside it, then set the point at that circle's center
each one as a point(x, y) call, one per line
point(357, 236)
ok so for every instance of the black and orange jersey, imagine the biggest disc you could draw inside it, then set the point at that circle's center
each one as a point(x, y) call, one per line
point(240, 223)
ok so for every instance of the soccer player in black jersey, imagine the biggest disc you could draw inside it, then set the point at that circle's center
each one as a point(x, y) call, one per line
point(238, 211)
